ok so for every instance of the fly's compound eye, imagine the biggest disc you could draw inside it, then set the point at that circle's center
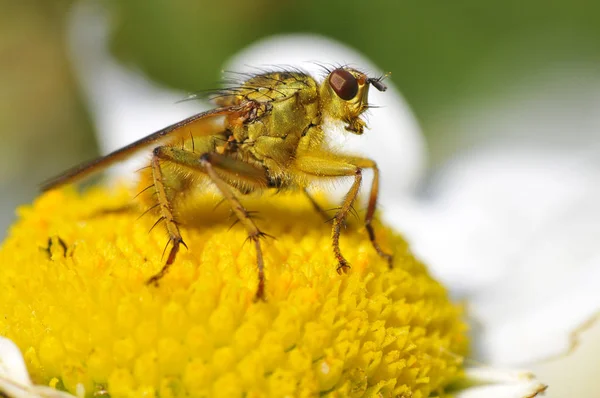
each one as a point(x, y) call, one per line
point(344, 84)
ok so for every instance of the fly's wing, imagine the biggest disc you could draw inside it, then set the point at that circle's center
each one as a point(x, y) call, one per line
point(202, 124)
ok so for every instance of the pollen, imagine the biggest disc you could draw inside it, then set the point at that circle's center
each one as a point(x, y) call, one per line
point(74, 298)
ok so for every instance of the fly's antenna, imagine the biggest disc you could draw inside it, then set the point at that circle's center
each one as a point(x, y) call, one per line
point(377, 82)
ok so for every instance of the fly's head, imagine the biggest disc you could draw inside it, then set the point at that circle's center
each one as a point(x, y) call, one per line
point(345, 96)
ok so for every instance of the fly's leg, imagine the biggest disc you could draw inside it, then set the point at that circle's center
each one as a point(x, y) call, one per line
point(340, 218)
point(368, 163)
point(316, 206)
point(222, 171)
point(329, 165)
point(166, 211)
point(254, 234)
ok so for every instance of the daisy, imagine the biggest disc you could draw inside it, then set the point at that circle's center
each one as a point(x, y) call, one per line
point(433, 229)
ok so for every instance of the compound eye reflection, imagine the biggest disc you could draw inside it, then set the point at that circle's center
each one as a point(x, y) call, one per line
point(344, 84)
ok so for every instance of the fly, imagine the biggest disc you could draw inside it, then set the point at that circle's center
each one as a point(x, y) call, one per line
point(268, 132)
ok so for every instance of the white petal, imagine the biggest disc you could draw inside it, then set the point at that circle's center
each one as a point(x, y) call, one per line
point(13, 372)
point(514, 223)
point(485, 208)
point(489, 375)
point(524, 390)
point(496, 383)
point(575, 374)
point(552, 270)
point(14, 378)
point(49, 392)
point(394, 140)
point(515, 232)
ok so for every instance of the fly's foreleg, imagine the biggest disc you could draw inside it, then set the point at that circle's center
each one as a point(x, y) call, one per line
point(340, 218)
point(329, 165)
point(368, 163)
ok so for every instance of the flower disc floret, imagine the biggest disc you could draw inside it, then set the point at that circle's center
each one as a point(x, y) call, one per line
point(74, 298)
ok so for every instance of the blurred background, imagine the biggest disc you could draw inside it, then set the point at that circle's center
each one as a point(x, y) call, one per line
point(459, 64)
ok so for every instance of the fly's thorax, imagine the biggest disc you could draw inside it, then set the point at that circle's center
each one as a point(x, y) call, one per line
point(277, 109)
point(344, 97)
point(277, 134)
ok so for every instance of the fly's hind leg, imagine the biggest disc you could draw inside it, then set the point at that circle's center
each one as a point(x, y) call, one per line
point(223, 172)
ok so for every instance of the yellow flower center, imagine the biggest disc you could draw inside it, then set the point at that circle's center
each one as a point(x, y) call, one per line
point(73, 297)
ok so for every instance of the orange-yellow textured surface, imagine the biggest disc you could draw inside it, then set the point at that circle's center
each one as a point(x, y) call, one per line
point(86, 316)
